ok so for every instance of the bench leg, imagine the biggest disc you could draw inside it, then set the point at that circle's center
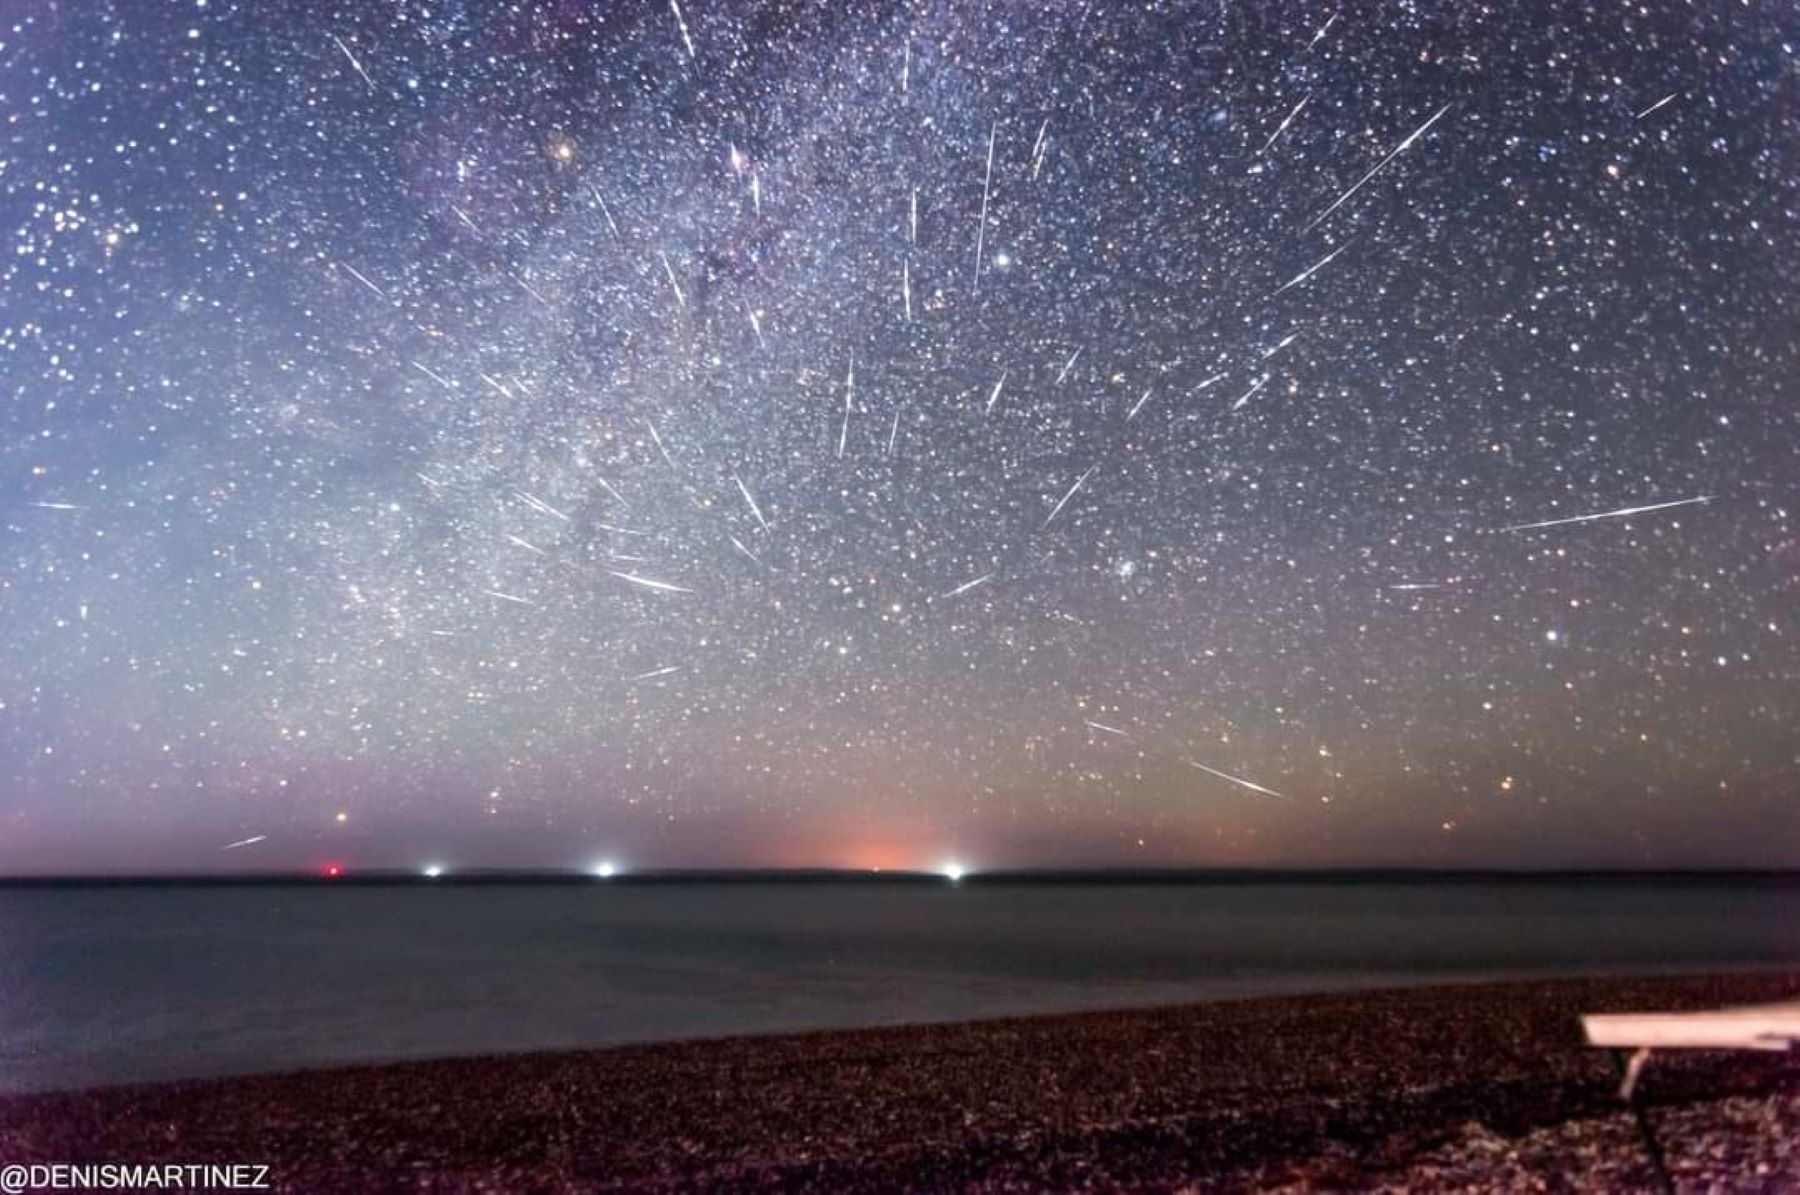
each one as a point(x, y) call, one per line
point(1629, 1073)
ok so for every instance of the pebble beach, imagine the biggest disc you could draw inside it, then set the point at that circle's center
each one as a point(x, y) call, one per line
point(1453, 1088)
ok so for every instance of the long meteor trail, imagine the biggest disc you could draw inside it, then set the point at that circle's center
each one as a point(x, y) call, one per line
point(1238, 780)
point(1248, 394)
point(968, 585)
point(986, 185)
point(509, 597)
point(681, 23)
point(1069, 495)
point(1303, 275)
point(1282, 127)
point(1622, 513)
point(435, 376)
point(1070, 364)
point(1392, 154)
point(360, 277)
point(739, 545)
point(359, 66)
point(649, 582)
point(754, 508)
point(849, 395)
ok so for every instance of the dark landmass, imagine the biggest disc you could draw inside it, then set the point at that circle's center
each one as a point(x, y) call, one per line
point(351, 878)
point(1481, 1087)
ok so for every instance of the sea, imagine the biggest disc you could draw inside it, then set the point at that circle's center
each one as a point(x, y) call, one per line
point(112, 985)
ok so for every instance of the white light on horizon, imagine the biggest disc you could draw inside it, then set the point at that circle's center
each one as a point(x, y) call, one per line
point(605, 869)
point(953, 871)
point(433, 870)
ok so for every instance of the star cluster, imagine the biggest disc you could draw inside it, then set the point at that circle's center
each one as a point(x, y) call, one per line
point(865, 433)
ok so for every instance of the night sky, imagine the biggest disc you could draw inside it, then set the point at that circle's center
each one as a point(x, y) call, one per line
point(874, 434)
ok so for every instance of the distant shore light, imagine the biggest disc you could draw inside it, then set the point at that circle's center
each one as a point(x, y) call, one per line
point(605, 869)
point(433, 870)
point(953, 871)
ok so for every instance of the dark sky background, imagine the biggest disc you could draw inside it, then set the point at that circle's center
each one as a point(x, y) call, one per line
point(871, 434)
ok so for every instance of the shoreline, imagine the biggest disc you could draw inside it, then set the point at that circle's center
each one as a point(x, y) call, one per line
point(1431, 1088)
point(1299, 988)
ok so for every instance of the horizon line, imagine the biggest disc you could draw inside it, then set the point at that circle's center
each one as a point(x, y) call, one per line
point(446, 876)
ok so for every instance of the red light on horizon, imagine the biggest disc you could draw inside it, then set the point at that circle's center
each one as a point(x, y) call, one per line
point(333, 871)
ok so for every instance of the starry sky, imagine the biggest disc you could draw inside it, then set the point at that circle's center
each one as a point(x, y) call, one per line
point(874, 433)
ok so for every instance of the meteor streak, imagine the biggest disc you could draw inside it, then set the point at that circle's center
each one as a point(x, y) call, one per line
point(1622, 513)
point(754, 508)
point(649, 582)
point(1238, 780)
point(968, 585)
point(353, 61)
point(1392, 154)
point(1069, 495)
point(986, 184)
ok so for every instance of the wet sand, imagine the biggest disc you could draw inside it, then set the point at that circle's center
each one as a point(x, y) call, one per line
point(1480, 1087)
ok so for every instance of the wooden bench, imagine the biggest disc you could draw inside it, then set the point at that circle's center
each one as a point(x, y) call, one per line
point(1755, 1027)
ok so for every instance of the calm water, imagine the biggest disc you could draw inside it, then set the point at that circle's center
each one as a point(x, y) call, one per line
point(113, 985)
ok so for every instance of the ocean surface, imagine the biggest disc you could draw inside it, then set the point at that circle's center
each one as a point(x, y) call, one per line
point(113, 985)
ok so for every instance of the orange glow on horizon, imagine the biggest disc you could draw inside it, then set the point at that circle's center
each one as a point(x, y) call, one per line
point(879, 856)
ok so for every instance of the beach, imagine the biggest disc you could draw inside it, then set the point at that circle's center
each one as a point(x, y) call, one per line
point(1457, 1087)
